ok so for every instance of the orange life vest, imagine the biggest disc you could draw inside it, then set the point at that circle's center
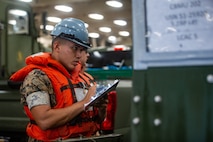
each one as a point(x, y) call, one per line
point(84, 77)
point(84, 124)
point(107, 126)
point(85, 80)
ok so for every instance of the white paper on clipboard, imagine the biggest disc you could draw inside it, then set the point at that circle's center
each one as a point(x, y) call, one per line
point(101, 93)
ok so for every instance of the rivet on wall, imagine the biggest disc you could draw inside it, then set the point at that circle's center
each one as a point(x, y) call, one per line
point(157, 122)
point(157, 98)
point(136, 120)
point(209, 78)
point(136, 99)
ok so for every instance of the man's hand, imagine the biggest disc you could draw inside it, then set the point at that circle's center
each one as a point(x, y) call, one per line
point(102, 106)
point(91, 92)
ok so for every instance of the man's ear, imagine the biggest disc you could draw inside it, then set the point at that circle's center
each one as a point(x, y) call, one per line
point(56, 45)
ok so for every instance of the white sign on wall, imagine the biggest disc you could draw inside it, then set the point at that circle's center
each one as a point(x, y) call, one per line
point(179, 25)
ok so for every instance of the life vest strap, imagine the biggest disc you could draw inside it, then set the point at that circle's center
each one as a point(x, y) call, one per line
point(78, 120)
point(79, 85)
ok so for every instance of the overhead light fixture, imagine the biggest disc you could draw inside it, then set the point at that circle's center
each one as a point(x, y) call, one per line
point(96, 16)
point(63, 8)
point(114, 3)
point(18, 12)
point(54, 19)
point(112, 39)
point(26, 0)
point(124, 33)
point(94, 35)
point(120, 22)
point(47, 27)
point(105, 29)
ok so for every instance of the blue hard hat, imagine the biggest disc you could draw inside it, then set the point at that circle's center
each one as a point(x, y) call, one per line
point(72, 29)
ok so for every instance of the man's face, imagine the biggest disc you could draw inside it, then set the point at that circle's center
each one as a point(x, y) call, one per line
point(69, 54)
point(84, 57)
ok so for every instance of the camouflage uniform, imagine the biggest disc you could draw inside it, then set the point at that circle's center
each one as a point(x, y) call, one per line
point(34, 84)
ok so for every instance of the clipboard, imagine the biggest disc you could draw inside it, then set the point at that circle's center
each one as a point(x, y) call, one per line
point(101, 93)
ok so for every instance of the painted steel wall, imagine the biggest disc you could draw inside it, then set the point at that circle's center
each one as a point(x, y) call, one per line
point(172, 87)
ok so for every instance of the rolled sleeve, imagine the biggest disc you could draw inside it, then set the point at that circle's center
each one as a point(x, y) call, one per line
point(38, 98)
